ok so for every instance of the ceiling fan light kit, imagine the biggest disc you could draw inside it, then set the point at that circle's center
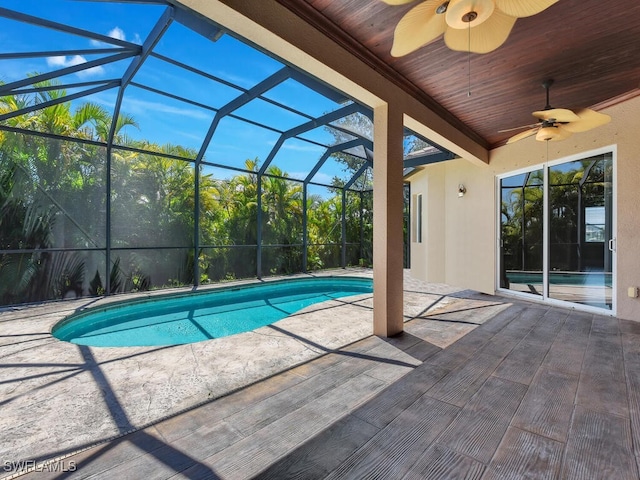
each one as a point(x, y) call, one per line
point(551, 133)
point(478, 26)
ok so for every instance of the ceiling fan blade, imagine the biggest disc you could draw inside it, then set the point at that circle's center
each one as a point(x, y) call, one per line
point(562, 115)
point(483, 38)
point(552, 134)
point(397, 2)
point(588, 119)
point(523, 8)
point(522, 135)
point(532, 125)
point(419, 26)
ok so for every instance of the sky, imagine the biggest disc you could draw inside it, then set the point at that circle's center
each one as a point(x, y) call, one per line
point(165, 120)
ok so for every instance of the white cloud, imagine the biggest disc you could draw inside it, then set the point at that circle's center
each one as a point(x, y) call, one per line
point(63, 61)
point(118, 34)
point(91, 72)
point(190, 135)
point(299, 147)
point(144, 107)
point(239, 80)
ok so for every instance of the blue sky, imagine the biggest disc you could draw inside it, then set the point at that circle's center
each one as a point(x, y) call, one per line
point(165, 120)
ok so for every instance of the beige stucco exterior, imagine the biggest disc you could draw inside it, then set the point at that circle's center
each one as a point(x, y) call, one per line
point(463, 229)
point(458, 239)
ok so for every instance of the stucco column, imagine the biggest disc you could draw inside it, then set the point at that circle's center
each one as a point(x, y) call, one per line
point(387, 221)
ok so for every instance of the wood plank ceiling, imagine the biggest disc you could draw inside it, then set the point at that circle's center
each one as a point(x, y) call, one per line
point(590, 48)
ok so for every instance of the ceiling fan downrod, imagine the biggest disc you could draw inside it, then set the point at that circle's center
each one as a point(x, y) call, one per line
point(546, 85)
point(469, 17)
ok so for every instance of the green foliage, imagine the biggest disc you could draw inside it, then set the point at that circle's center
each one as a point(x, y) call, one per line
point(95, 285)
point(53, 195)
point(573, 187)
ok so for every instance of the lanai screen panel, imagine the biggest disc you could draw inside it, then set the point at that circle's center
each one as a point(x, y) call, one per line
point(282, 225)
point(324, 229)
point(227, 58)
point(228, 226)
point(297, 158)
point(325, 136)
point(158, 150)
point(161, 121)
point(357, 124)
point(301, 98)
point(339, 168)
point(236, 141)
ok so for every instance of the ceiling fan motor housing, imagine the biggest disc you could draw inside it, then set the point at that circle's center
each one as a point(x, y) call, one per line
point(462, 14)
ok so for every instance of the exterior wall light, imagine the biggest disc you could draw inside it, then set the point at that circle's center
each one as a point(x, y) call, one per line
point(461, 190)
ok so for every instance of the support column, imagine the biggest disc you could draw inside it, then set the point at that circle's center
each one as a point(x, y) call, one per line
point(259, 227)
point(305, 226)
point(196, 224)
point(387, 221)
point(343, 230)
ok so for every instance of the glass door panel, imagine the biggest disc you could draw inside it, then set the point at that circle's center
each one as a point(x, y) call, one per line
point(580, 231)
point(521, 232)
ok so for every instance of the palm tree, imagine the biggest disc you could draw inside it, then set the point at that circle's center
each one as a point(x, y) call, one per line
point(59, 183)
point(281, 222)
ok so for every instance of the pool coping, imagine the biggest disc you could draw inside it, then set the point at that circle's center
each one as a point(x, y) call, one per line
point(193, 294)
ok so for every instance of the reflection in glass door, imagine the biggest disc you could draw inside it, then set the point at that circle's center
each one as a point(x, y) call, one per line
point(521, 232)
point(571, 229)
point(580, 231)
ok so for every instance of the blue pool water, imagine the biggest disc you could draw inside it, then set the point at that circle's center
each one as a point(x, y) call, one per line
point(194, 317)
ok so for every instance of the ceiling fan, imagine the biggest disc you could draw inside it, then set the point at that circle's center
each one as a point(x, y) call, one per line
point(559, 123)
point(478, 26)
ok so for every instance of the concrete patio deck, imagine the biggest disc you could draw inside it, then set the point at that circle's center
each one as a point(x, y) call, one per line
point(477, 387)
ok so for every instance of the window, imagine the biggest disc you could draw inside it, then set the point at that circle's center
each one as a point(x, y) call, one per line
point(417, 218)
point(594, 229)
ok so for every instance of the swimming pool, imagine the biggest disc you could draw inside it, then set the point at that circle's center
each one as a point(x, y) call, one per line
point(194, 317)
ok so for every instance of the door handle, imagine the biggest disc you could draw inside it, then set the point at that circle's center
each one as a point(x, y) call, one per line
point(612, 245)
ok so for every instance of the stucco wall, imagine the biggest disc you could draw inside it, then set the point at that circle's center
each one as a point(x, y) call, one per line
point(428, 257)
point(459, 246)
point(470, 222)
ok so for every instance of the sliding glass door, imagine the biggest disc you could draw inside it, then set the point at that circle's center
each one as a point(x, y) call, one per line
point(521, 240)
point(580, 231)
point(557, 234)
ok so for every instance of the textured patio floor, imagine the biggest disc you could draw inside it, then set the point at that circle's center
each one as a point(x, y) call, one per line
point(476, 387)
point(58, 397)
